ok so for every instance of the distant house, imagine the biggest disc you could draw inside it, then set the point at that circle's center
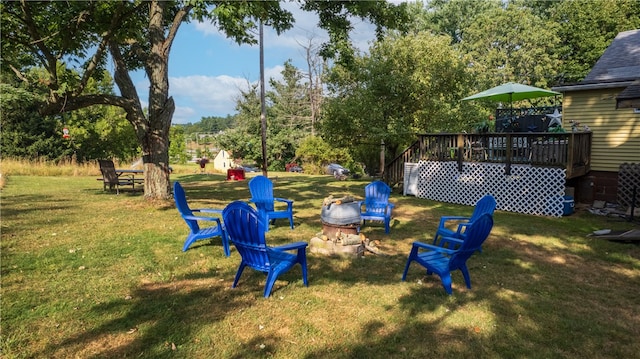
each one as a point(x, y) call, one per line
point(608, 102)
point(223, 161)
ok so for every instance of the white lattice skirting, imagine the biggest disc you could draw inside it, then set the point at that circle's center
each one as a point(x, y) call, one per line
point(530, 190)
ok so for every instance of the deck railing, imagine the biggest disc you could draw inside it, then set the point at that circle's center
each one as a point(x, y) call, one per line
point(571, 151)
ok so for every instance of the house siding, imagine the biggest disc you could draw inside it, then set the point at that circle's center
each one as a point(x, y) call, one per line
point(616, 133)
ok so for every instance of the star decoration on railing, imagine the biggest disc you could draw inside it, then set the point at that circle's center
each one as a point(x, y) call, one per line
point(555, 118)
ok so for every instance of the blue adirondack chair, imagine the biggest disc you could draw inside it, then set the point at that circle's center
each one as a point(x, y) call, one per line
point(261, 189)
point(376, 204)
point(196, 232)
point(246, 230)
point(443, 261)
point(486, 204)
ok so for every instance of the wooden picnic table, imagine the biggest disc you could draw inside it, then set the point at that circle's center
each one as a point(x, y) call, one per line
point(131, 172)
point(130, 175)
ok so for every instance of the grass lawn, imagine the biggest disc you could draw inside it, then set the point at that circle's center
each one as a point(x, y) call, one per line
point(92, 274)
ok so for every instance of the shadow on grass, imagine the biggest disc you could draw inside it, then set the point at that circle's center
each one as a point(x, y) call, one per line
point(553, 300)
point(155, 317)
point(24, 205)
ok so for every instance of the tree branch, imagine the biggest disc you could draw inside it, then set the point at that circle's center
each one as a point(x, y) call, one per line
point(173, 30)
point(19, 74)
point(51, 60)
point(95, 59)
point(76, 103)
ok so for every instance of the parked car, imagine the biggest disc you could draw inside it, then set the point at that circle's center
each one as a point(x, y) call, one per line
point(336, 170)
point(293, 167)
point(250, 169)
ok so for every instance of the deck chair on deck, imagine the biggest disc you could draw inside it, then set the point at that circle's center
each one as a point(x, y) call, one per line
point(443, 261)
point(245, 228)
point(197, 233)
point(376, 204)
point(486, 204)
point(261, 189)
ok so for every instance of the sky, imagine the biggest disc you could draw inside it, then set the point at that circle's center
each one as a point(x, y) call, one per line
point(208, 70)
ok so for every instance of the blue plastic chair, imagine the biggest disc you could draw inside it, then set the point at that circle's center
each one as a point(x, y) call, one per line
point(376, 204)
point(246, 230)
point(261, 189)
point(196, 233)
point(486, 204)
point(443, 261)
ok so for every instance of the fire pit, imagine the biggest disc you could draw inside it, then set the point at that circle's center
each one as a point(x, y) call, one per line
point(340, 228)
point(340, 216)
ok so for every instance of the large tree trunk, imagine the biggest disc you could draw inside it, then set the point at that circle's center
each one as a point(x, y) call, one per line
point(155, 140)
point(156, 155)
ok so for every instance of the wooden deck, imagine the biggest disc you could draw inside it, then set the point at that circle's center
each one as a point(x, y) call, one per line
point(571, 151)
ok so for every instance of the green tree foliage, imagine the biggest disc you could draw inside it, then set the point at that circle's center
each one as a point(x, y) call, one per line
point(290, 115)
point(408, 85)
point(315, 153)
point(95, 132)
point(290, 100)
point(493, 30)
point(587, 29)
point(512, 44)
point(177, 145)
point(101, 132)
point(335, 19)
point(450, 17)
point(243, 140)
point(26, 134)
point(210, 124)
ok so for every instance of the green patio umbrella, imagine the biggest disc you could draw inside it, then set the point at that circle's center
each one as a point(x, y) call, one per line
point(510, 92)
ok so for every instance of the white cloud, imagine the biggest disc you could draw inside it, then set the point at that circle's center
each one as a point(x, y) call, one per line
point(206, 90)
point(213, 94)
point(273, 73)
point(184, 115)
point(199, 96)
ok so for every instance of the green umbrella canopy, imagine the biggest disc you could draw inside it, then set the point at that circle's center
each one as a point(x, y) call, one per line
point(510, 91)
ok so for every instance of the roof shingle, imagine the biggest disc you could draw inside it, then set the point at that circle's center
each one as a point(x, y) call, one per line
point(620, 61)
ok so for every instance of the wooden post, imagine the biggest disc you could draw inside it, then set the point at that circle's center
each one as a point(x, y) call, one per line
point(460, 151)
point(570, 155)
point(509, 154)
point(381, 158)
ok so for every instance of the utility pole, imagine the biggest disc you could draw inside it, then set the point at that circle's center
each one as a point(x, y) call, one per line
point(263, 115)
